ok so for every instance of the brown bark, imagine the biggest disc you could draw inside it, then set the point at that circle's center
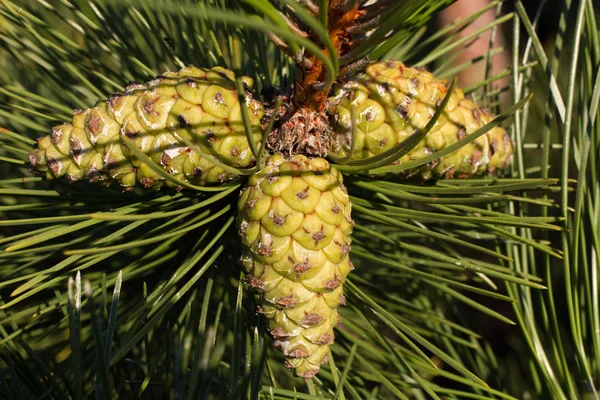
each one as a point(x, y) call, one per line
point(308, 94)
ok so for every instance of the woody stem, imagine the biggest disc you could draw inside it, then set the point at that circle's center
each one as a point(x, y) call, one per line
point(311, 89)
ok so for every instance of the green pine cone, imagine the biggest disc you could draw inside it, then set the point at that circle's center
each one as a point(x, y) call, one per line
point(294, 220)
point(193, 105)
point(392, 101)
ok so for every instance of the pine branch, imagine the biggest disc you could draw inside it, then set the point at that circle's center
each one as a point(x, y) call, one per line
point(139, 294)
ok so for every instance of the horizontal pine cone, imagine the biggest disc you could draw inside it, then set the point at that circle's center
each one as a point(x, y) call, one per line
point(392, 101)
point(193, 106)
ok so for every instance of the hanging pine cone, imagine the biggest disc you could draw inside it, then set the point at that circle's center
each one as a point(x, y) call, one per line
point(294, 219)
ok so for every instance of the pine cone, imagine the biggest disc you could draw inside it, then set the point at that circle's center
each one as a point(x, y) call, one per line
point(195, 104)
point(294, 220)
point(392, 101)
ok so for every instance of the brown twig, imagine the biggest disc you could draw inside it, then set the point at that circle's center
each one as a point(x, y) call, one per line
point(377, 5)
point(298, 58)
point(311, 91)
point(302, 61)
point(311, 6)
point(363, 27)
point(293, 27)
point(355, 66)
point(375, 13)
point(346, 5)
point(293, 18)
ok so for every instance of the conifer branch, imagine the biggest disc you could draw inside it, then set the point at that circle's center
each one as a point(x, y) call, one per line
point(160, 316)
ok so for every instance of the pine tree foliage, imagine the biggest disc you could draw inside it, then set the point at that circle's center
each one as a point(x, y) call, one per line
point(140, 294)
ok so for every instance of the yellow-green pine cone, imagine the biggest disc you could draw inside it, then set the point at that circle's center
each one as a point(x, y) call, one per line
point(193, 105)
point(393, 100)
point(294, 220)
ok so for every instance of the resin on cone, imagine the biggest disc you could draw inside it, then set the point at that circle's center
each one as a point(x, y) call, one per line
point(392, 101)
point(294, 220)
point(194, 105)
